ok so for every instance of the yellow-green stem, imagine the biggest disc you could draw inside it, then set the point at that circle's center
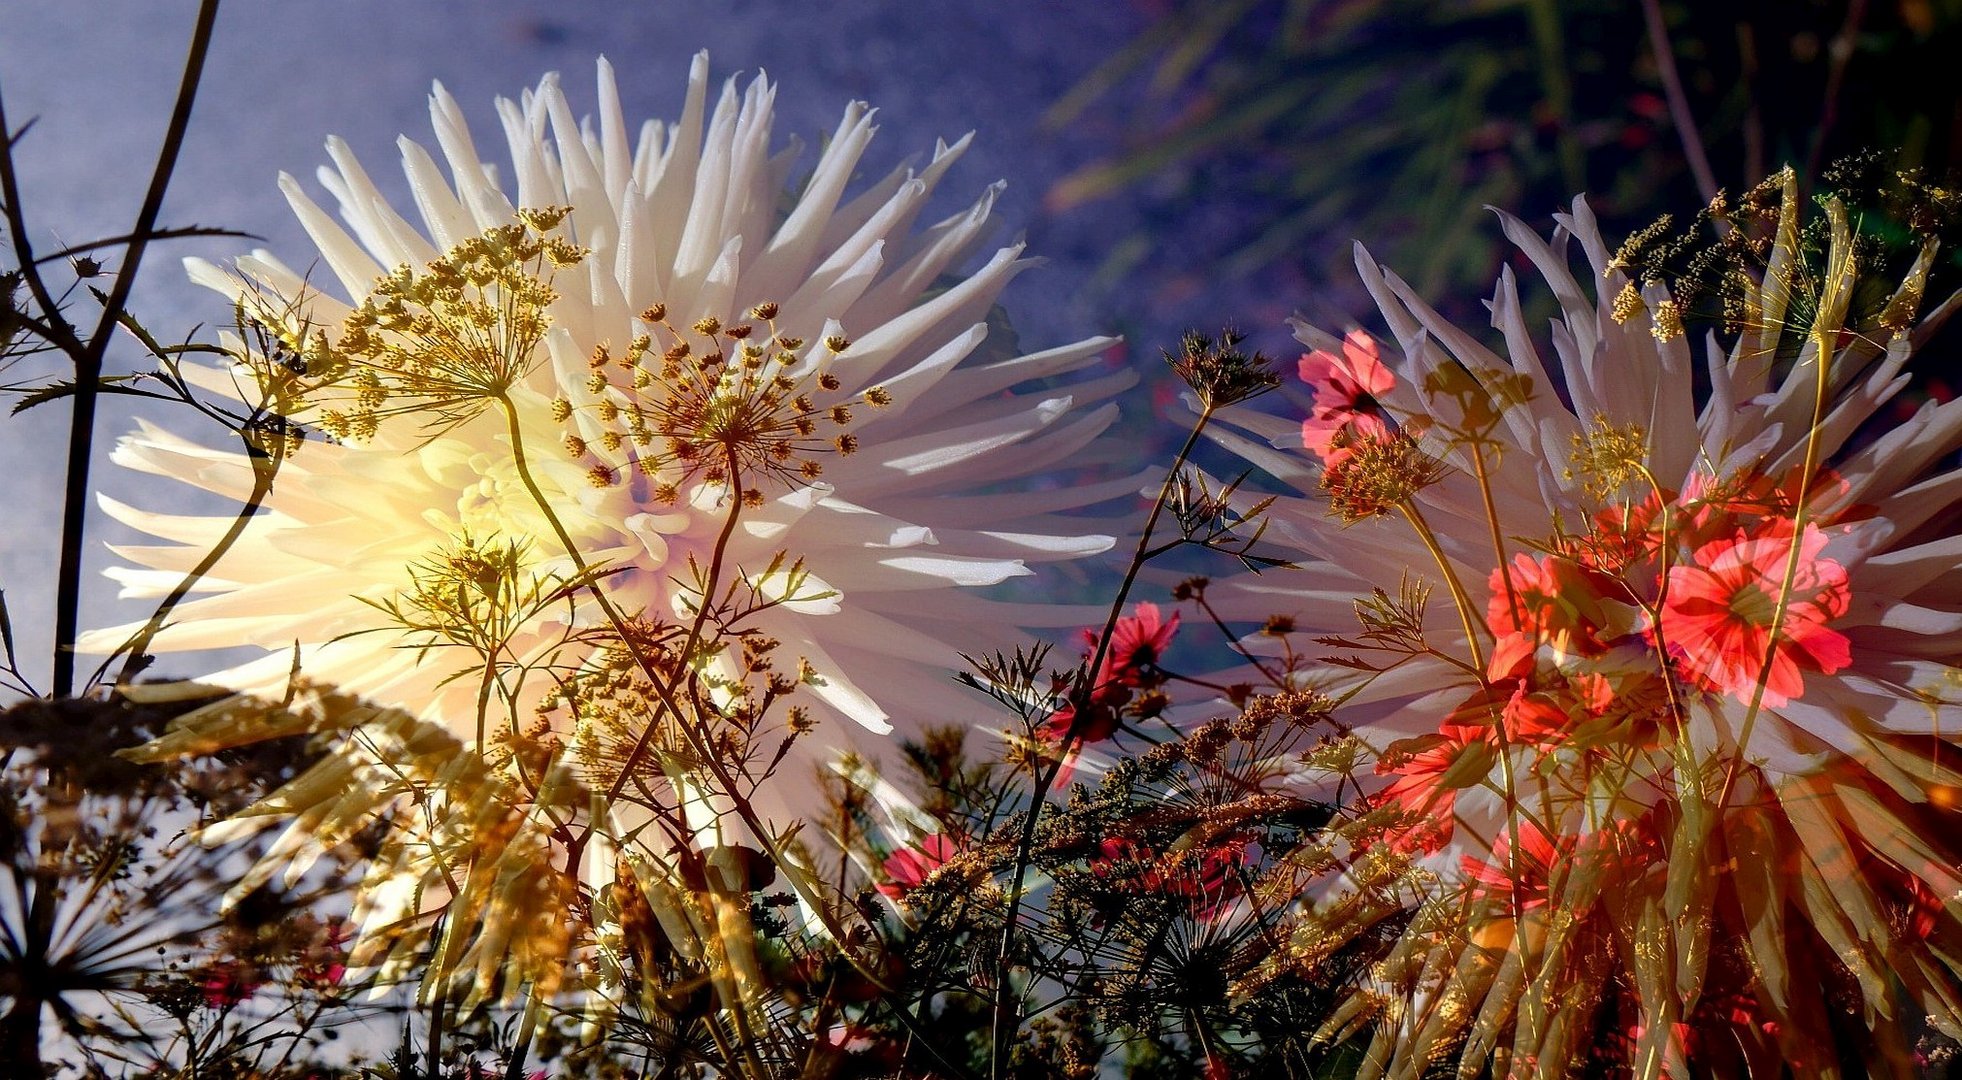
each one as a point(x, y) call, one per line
point(1492, 523)
point(1800, 504)
point(665, 692)
point(1458, 596)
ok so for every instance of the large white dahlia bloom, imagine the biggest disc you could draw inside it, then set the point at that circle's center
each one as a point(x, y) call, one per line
point(631, 389)
point(1659, 683)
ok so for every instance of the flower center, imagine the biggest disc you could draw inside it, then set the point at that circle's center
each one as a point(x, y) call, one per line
point(1754, 605)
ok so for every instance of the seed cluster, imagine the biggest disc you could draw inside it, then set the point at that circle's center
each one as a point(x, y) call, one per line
point(613, 698)
point(443, 341)
point(1606, 457)
point(1376, 474)
point(726, 405)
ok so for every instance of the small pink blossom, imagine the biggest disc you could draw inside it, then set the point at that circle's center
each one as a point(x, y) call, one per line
point(1346, 388)
point(228, 982)
point(1136, 642)
point(323, 963)
point(908, 868)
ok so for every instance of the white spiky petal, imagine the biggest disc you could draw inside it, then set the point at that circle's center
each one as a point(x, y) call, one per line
point(899, 536)
point(1851, 768)
point(1901, 638)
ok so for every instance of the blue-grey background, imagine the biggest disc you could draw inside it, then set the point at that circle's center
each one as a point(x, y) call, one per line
point(98, 76)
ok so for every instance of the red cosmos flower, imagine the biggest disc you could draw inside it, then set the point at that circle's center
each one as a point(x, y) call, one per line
point(1553, 602)
point(1718, 614)
point(1136, 642)
point(1346, 388)
point(908, 868)
point(1427, 782)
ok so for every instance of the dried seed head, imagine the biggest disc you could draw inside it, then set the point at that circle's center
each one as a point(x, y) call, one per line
point(1376, 475)
point(1219, 372)
point(1666, 321)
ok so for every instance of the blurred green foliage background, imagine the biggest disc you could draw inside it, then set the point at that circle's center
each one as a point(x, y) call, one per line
point(1297, 125)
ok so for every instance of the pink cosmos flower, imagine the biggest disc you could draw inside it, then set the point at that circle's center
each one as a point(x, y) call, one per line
point(1719, 613)
point(1346, 388)
point(1553, 601)
point(1136, 642)
point(908, 868)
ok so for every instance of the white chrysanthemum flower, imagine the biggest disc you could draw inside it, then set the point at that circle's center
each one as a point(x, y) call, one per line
point(682, 287)
point(1660, 683)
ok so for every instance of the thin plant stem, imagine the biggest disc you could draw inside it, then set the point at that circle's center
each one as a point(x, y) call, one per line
point(438, 1012)
point(1459, 598)
point(1679, 110)
point(716, 557)
point(1271, 676)
point(1747, 56)
point(665, 691)
point(265, 465)
point(1841, 51)
point(1824, 332)
point(1492, 522)
point(88, 362)
point(527, 1028)
point(1000, 1029)
point(54, 329)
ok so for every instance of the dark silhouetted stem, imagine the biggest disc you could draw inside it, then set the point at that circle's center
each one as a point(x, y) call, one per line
point(1840, 49)
point(88, 364)
point(1004, 1024)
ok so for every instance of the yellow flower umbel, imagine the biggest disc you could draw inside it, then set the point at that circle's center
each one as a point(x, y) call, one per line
point(441, 341)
